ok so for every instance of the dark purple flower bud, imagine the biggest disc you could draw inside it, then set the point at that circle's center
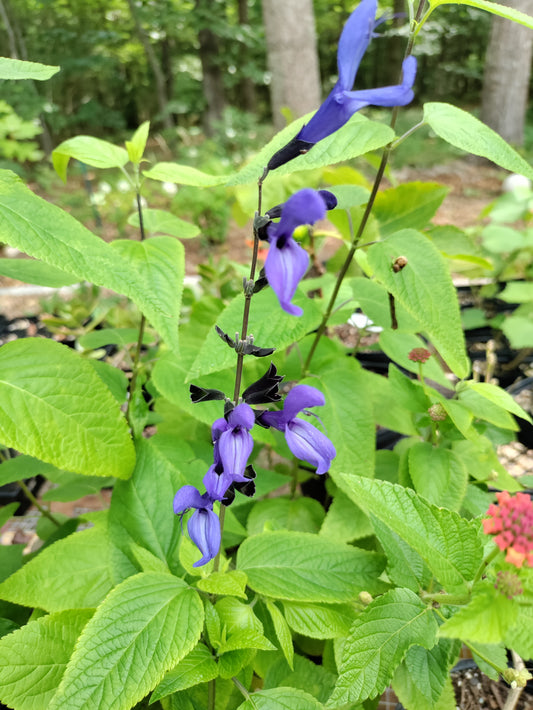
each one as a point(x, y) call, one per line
point(265, 389)
point(342, 102)
point(203, 525)
point(201, 394)
point(304, 440)
point(287, 262)
point(329, 199)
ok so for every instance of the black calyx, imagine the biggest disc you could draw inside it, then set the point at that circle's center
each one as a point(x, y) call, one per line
point(265, 390)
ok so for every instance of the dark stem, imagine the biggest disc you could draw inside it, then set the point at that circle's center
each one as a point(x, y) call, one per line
point(366, 215)
point(44, 511)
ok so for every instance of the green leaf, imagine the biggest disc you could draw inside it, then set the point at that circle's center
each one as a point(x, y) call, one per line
point(314, 679)
point(411, 205)
point(447, 543)
point(232, 583)
point(281, 699)
point(421, 679)
point(89, 150)
point(163, 222)
point(241, 627)
point(56, 408)
point(198, 666)
point(485, 619)
point(283, 633)
point(7, 511)
point(32, 271)
point(493, 7)
point(112, 336)
point(424, 287)
point(405, 566)
point(464, 131)
point(136, 146)
point(73, 573)
point(345, 521)
point(144, 627)
point(269, 331)
point(519, 327)
point(21, 467)
point(183, 175)
point(517, 292)
point(33, 659)
point(307, 568)
point(519, 636)
point(46, 232)
point(485, 408)
point(71, 486)
point(303, 514)
point(438, 475)
point(500, 397)
point(378, 641)
point(373, 299)
point(319, 621)
point(141, 511)
point(349, 196)
point(17, 69)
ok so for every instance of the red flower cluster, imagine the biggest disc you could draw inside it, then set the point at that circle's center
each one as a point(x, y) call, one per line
point(419, 355)
point(511, 520)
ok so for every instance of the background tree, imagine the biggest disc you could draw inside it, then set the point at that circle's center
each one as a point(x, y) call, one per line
point(507, 75)
point(292, 57)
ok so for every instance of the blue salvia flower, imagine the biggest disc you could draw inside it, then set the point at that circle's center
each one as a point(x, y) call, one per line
point(304, 440)
point(233, 442)
point(342, 102)
point(287, 261)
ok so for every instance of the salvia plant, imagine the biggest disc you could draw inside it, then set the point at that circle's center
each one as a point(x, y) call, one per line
point(213, 581)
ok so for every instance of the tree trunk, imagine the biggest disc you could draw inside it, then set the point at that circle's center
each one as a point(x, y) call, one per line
point(210, 52)
point(507, 73)
point(246, 85)
point(292, 57)
point(155, 66)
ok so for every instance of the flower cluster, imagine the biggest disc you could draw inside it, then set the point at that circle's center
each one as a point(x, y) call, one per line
point(419, 355)
point(511, 521)
point(233, 445)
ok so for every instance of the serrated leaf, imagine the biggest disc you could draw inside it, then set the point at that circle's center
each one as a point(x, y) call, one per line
point(314, 679)
point(447, 543)
point(283, 633)
point(32, 271)
point(374, 301)
point(73, 573)
point(270, 326)
point(198, 666)
point(424, 287)
point(485, 619)
point(420, 681)
point(438, 475)
point(56, 408)
point(345, 521)
point(29, 680)
point(464, 131)
point(89, 150)
point(486, 408)
point(500, 397)
point(46, 232)
point(308, 568)
point(378, 640)
point(241, 627)
point(18, 69)
point(411, 205)
point(519, 636)
point(319, 621)
point(144, 627)
point(232, 583)
point(405, 567)
point(164, 222)
point(302, 514)
point(281, 699)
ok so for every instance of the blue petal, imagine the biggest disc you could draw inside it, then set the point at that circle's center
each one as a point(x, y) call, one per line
point(216, 484)
point(304, 207)
point(354, 40)
point(284, 267)
point(309, 444)
point(189, 497)
point(235, 446)
point(301, 397)
point(398, 95)
point(243, 415)
point(204, 531)
point(274, 419)
point(331, 116)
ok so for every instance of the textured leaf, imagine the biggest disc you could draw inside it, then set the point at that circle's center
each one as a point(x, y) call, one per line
point(198, 666)
point(411, 205)
point(421, 680)
point(89, 150)
point(163, 222)
point(304, 567)
point(519, 637)
point(378, 641)
point(281, 699)
point(464, 131)
point(345, 521)
point(46, 232)
point(56, 408)
point(493, 7)
point(34, 658)
point(270, 326)
point(302, 514)
point(18, 69)
point(232, 583)
point(500, 397)
point(73, 573)
point(144, 627)
point(405, 566)
point(373, 299)
point(438, 475)
point(319, 621)
point(32, 271)
point(447, 543)
point(283, 633)
point(425, 289)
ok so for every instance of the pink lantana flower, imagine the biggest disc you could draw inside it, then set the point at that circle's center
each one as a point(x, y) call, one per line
point(511, 522)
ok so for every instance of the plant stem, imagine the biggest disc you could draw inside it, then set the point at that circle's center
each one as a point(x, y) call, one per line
point(483, 566)
point(142, 324)
point(483, 657)
point(44, 511)
point(452, 599)
point(366, 215)
point(514, 693)
point(211, 694)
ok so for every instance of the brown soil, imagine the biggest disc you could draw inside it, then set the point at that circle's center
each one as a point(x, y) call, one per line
point(473, 691)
